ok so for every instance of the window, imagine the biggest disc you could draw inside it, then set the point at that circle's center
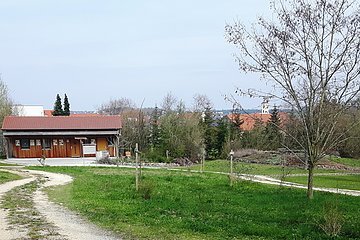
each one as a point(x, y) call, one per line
point(46, 144)
point(38, 142)
point(61, 142)
point(55, 142)
point(32, 142)
point(17, 143)
point(25, 144)
point(110, 141)
point(91, 141)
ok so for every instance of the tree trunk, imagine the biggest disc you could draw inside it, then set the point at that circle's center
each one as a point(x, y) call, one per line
point(310, 191)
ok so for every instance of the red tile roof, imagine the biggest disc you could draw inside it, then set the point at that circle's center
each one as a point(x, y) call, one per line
point(62, 123)
point(85, 115)
point(250, 119)
point(48, 113)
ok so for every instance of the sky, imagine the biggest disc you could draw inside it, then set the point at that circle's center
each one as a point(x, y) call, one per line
point(96, 50)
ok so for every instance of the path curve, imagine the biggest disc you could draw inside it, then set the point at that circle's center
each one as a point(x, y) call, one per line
point(273, 181)
point(69, 224)
point(5, 233)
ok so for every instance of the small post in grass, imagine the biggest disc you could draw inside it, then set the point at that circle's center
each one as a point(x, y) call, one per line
point(137, 167)
point(167, 155)
point(231, 167)
point(202, 166)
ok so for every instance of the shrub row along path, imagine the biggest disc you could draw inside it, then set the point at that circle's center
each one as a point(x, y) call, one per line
point(63, 223)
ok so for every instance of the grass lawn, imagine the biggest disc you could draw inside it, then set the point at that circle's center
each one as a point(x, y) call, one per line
point(6, 177)
point(346, 181)
point(252, 168)
point(186, 205)
point(351, 162)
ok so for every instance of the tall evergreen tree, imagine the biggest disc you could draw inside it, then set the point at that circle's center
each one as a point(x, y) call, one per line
point(210, 132)
point(155, 128)
point(66, 111)
point(272, 131)
point(58, 111)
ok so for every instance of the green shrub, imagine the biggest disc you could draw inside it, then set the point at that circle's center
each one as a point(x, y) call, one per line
point(146, 188)
point(333, 219)
point(155, 156)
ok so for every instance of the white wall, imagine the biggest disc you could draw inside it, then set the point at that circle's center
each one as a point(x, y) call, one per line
point(29, 111)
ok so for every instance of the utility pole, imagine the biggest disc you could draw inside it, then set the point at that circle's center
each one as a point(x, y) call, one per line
point(137, 167)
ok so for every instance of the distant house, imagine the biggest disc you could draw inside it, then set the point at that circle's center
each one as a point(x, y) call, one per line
point(249, 121)
point(33, 137)
point(28, 110)
point(49, 113)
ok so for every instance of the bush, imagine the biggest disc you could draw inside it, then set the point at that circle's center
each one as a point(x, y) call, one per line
point(146, 188)
point(333, 220)
point(155, 156)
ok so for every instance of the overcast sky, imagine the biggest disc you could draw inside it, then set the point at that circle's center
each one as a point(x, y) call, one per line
point(95, 50)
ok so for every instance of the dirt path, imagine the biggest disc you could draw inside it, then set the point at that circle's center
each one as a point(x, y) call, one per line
point(5, 232)
point(64, 223)
point(273, 181)
point(323, 174)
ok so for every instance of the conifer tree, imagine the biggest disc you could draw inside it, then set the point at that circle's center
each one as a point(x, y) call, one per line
point(66, 111)
point(272, 132)
point(155, 128)
point(210, 132)
point(58, 111)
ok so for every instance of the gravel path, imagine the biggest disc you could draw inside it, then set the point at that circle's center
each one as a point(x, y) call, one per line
point(5, 232)
point(273, 181)
point(68, 224)
point(323, 174)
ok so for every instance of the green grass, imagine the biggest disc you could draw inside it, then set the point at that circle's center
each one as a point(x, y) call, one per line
point(6, 177)
point(345, 182)
point(252, 168)
point(186, 205)
point(351, 162)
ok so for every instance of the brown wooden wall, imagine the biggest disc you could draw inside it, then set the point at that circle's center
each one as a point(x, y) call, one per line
point(102, 144)
point(36, 151)
point(56, 151)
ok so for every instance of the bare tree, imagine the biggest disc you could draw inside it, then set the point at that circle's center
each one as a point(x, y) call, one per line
point(311, 54)
point(5, 110)
point(201, 103)
point(169, 103)
point(116, 106)
point(5, 101)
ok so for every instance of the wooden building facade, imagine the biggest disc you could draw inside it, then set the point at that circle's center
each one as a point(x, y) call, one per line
point(61, 137)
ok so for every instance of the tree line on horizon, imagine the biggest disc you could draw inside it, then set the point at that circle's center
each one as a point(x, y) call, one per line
point(172, 130)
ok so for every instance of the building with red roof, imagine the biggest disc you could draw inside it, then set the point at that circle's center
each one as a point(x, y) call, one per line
point(61, 136)
point(248, 121)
